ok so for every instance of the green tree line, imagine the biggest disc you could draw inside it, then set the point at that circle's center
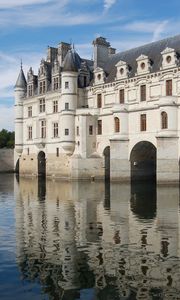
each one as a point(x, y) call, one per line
point(6, 139)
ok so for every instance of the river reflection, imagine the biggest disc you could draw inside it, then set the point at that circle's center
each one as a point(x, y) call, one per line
point(81, 240)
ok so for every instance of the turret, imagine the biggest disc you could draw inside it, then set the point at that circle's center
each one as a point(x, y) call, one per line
point(20, 93)
point(69, 88)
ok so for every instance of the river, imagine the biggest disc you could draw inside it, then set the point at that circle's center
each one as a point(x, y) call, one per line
point(88, 240)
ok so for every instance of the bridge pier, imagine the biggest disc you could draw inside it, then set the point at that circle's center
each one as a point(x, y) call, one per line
point(167, 159)
point(120, 165)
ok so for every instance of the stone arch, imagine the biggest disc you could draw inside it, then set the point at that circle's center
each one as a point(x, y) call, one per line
point(143, 161)
point(106, 154)
point(41, 164)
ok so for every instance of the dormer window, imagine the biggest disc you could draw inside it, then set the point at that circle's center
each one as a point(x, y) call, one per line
point(122, 70)
point(169, 58)
point(30, 90)
point(99, 76)
point(143, 64)
point(55, 83)
point(42, 87)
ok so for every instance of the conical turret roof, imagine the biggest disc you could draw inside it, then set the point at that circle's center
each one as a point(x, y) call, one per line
point(21, 81)
point(72, 61)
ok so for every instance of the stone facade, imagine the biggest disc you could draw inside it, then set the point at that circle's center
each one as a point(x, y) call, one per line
point(6, 160)
point(75, 109)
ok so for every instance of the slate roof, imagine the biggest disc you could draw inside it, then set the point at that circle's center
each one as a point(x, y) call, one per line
point(152, 50)
point(72, 61)
point(21, 81)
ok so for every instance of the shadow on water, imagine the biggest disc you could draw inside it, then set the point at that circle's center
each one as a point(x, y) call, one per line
point(107, 196)
point(41, 188)
point(143, 199)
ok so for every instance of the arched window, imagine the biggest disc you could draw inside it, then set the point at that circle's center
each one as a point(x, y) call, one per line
point(116, 124)
point(164, 120)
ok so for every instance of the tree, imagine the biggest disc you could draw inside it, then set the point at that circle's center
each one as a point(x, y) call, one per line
point(6, 139)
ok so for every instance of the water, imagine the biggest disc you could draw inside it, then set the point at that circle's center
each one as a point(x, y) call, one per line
point(88, 241)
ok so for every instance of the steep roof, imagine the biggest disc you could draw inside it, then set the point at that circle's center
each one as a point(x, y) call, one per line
point(72, 61)
point(21, 81)
point(152, 50)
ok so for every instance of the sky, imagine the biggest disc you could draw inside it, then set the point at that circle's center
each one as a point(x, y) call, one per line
point(28, 27)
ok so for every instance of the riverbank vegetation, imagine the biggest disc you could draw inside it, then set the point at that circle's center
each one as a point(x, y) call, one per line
point(6, 139)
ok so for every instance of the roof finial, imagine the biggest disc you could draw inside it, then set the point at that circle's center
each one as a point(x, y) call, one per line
point(21, 64)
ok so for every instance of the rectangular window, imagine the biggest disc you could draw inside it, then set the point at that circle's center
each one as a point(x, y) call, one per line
point(99, 127)
point(42, 87)
point(66, 131)
point(121, 96)
point(66, 106)
point(90, 130)
point(27, 151)
point(143, 122)
point(99, 100)
point(42, 105)
point(66, 84)
point(29, 132)
point(77, 130)
point(55, 130)
point(143, 92)
point(30, 90)
point(55, 106)
point(169, 87)
point(30, 111)
point(43, 129)
point(55, 83)
point(57, 152)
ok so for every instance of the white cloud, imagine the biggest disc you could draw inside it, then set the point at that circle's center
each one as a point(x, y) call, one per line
point(12, 3)
point(159, 30)
point(156, 28)
point(108, 4)
point(51, 13)
point(6, 117)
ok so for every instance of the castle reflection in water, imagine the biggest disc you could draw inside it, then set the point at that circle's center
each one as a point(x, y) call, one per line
point(83, 240)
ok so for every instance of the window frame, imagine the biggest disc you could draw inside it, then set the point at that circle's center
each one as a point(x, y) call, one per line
point(143, 93)
point(143, 122)
point(42, 105)
point(169, 87)
point(99, 127)
point(55, 130)
point(116, 125)
point(164, 120)
point(43, 129)
point(121, 96)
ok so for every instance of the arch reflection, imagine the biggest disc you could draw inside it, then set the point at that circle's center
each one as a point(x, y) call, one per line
point(78, 249)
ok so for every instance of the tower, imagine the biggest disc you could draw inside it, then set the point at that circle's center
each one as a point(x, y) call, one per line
point(20, 92)
point(69, 86)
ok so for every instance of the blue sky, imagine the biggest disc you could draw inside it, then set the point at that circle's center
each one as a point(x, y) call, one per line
point(27, 27)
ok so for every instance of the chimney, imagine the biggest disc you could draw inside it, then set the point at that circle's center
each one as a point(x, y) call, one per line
point(51, 54)
point(63, 49)
point(101, 51)
point(112, 51)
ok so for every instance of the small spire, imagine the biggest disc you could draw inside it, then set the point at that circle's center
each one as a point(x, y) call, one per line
point(21, 64)
point(21, 81)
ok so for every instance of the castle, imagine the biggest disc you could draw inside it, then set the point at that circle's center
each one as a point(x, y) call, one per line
point(115, 116)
